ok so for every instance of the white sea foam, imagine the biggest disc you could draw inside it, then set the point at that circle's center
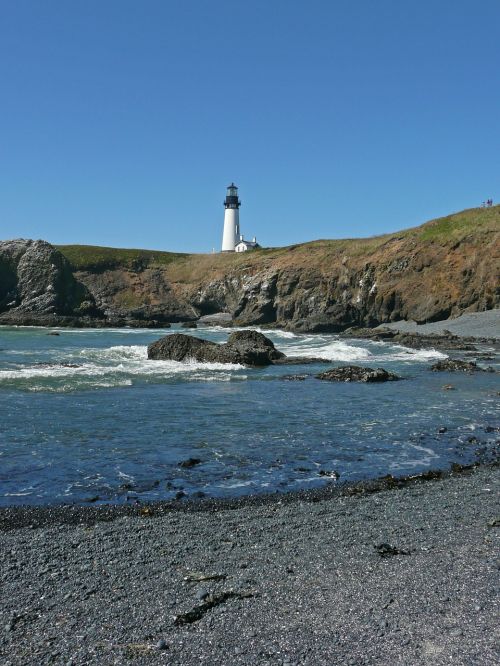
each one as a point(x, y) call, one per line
point(400, 353)
point(426, 458)
point(115, 366)
point(331, 350)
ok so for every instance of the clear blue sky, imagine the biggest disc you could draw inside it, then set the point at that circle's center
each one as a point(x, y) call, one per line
point(122, 122)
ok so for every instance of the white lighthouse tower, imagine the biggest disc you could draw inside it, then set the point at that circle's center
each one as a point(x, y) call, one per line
point(231, 234)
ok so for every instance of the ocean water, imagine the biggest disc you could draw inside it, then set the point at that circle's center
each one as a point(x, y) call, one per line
point(86, 417)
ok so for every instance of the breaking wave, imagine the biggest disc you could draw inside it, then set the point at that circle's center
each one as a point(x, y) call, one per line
point(113, 366)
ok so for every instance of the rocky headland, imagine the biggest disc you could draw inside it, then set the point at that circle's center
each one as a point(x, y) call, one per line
point(439, 270)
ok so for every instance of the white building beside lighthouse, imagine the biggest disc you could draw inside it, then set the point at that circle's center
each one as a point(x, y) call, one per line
point(232, 240)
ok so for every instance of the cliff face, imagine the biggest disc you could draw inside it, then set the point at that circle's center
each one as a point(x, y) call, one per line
point(37, 280)
point(439, 270)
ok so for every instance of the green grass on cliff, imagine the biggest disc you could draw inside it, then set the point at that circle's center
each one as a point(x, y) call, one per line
point(479, 222)
point(85, 257)
point(460, 225)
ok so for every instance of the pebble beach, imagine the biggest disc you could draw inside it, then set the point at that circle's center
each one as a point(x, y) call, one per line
point(364, 575)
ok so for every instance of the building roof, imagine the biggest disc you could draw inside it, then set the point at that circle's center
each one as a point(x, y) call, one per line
point(245, 242)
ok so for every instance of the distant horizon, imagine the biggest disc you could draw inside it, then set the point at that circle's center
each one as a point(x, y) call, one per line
point(122, 121)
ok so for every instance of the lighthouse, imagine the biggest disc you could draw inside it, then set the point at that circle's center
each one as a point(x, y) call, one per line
point(231, 234)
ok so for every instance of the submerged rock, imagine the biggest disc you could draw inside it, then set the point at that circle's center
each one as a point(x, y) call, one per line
point(356, 373)
point(190, 462)
point(456, 365)
point(245, 347)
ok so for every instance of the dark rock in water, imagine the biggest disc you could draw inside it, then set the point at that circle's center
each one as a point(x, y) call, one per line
point(189, 324)
point(456, 365)
point(333, 474)
point(445, 340)
point(53, 333)
point(245, 347)
point(355, 373)
point(190, 462)
point(179, 347)
point(43, 364)
point(253, 348)
point(442, 430)
point(294, 378)
point(300, 360)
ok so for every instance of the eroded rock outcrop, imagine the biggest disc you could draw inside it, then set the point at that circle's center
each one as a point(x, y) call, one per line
point(37, 284)
point(243, 347)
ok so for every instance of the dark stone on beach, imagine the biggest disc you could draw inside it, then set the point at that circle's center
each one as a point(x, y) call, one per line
point(202, 594)
point(245, 347)
point(386, 550)
point(189, 324)
point(162, 644)
point(190, 462)
point(355, 373)
point(456, 365)
point(180, 495)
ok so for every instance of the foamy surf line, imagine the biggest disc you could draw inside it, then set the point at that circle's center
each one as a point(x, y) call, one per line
point(118, 364)
point(328, 350)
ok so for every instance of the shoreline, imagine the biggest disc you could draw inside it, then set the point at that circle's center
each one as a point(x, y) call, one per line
point(406, 575)
point(481, 326)
point(18, 516)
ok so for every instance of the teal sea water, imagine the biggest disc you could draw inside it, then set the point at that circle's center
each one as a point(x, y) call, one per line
point(85, 416)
